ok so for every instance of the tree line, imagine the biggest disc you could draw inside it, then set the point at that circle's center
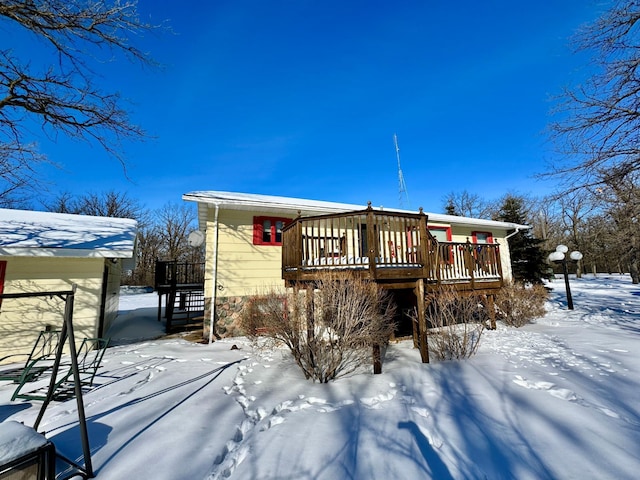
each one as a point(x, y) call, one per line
point(162, 233)
point(601, 223)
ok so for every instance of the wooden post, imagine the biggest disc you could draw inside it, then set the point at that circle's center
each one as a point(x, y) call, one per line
point(372, 242)
point(492, 311)
point(422, 321)
point(310, 309)
point(425, 245)
point(414, 326)
point(469, 261)
point(377, 360)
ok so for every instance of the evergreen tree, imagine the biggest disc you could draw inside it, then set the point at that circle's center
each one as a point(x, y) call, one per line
point(528, 258)
point(450, 208)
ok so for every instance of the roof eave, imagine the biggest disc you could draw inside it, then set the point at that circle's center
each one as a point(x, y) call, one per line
point(321, 207)
point(63, 252)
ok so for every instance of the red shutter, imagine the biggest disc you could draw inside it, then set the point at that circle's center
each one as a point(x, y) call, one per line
point(257, 230)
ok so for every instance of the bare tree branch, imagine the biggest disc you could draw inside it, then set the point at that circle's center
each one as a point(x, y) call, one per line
point(63, 96)
point(601, 125)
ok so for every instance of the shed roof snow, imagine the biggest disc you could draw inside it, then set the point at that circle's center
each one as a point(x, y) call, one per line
point(32, 233)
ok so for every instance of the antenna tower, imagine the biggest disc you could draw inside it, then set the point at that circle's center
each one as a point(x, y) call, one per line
point(402, 187)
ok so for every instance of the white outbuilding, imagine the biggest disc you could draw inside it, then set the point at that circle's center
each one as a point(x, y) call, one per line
point(44, 252)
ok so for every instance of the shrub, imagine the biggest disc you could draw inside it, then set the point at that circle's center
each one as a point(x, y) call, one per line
point(517, 304)
point(330, 328)
point(457, 321)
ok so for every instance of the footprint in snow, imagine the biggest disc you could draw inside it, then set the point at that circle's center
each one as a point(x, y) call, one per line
point(375, 402)
point(423, 412)
point(561, 393)
point(608, 412)
point(138, 384)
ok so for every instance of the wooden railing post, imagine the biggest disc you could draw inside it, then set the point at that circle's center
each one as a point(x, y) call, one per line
point(372, 241)
point(425, 245)
point(469, 261)
point(297, 253)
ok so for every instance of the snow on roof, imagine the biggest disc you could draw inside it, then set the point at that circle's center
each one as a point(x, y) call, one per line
point(253, 201)
point(31, 233)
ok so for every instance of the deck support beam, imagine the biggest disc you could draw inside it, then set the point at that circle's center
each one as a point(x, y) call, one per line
point(422, 321)
point(377, 360)
point(490, 304)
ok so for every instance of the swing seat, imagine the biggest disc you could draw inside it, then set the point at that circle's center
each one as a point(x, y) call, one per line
point(38, 361)
point(89, 355)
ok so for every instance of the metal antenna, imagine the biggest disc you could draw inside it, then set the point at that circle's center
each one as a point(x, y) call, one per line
point(402, 187)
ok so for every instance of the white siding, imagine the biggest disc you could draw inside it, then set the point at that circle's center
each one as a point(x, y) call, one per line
point(22, 319)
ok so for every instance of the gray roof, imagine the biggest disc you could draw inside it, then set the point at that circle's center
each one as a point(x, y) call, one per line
point(31, 233)
point(270, 203)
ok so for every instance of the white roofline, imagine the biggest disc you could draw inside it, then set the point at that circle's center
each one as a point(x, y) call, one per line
point(64, 252)
point(248, 201)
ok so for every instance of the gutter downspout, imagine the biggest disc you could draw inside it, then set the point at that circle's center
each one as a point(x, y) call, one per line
point(214, 280)
point(518, 230)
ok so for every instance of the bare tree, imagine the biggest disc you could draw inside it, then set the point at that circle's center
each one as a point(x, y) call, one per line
point(111, 204)
point(466, 204)
point(623, 199)
point(63, 95)
point(576, 207)
point(544, 220)
point(600, 118)
point(149, 249)
point(163, 235)
point(175, 222)
point(107, 204)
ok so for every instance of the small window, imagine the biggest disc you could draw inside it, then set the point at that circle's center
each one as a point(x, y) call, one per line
point(442, 234)
point(268, 230)
point(482, 237)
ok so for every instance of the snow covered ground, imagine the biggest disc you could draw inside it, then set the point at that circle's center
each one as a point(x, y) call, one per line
point(558, 399)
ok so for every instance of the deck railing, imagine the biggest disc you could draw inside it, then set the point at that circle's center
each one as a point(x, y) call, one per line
point(466, 261)
point(382, 246)
point(172, 273)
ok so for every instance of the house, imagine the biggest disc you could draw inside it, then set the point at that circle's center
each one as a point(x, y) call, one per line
point(244, 246)
point(45, 252)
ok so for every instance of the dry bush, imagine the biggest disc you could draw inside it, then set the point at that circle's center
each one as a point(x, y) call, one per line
point(457, 322)
point(330, 329)
point(517, 304)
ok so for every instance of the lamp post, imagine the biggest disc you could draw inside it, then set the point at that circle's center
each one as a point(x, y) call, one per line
point(559, 256)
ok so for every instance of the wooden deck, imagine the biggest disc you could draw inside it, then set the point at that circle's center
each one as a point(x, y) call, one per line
point(397, 251)
point(389, 248)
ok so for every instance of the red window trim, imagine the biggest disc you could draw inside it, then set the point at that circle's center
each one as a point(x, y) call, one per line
point(258, 223)
point(488, 234)
point(447, 230)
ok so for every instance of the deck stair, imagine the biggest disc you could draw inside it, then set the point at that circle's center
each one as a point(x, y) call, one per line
point(184, 310)
point(182, 285)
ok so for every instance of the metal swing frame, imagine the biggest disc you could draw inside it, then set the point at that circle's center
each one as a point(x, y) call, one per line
point(66, 334)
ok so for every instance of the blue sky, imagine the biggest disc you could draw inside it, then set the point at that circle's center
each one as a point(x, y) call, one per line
point(302, 98)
